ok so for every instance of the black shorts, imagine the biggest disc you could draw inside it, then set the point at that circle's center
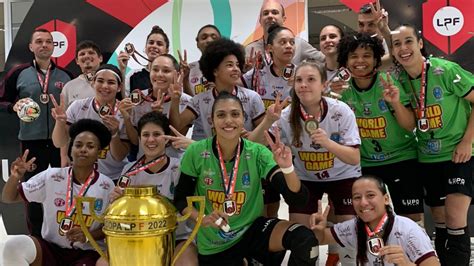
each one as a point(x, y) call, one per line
point(254, 244)
point(404, 184)
point(54, 255)
point(442, 178)
point(340, 193)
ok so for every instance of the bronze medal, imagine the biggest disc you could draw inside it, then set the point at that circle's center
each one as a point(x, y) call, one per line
point(123, 181)
point(44, 98)
point(230, 207)
point(129, 48)
point(65, 225)
point(288, 71)
point(374, 245)
point(311, 125)
point(423, 125)
point(344, 74)
point(136, 97)
point(104, 110)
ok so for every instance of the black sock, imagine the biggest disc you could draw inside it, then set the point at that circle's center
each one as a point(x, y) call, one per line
point(458, 247)
point(440, 243)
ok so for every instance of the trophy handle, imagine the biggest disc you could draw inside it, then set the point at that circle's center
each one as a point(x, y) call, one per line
point(191, 199)
point(82, 223)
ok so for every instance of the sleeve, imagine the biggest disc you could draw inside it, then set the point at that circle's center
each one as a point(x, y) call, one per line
point(308, 51)
point(459, 81)
point(417, 245)
point(34, 190)
point(247, 79)
point(258, 108)
point(265, 161)
point(193, 106)
point(348, 127)
point(345, 233)
point(72, 111)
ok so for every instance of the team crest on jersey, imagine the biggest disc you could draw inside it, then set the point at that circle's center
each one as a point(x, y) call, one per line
point(383, 105)
point(194, 79)
point(438, 71)
point(98, 204)
point(262, 91)
point(57, 177)
point(208, 181)
point(206, 100)
point(438, 93)
point(433, 146)
point(104, 185)
point(367, 108)
point(244, 99)
point(336, 137)
point(59, 85)
point(58, 202)
point(246, 180)
point(205, 154)
point(336, 116)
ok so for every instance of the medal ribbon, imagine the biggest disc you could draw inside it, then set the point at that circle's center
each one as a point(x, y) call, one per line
point(228, 182)
point(140, 165)
point(70, 201)
point(421, 102)
point(307, 116)
point(216, 93)
point(44, 83)
point(114, 110)
point(378, 228)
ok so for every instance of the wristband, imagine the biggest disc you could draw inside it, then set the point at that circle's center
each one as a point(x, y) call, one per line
point(288, 170)
point(115, 135)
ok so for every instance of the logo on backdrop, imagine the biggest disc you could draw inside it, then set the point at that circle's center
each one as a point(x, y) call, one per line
point(64, 40)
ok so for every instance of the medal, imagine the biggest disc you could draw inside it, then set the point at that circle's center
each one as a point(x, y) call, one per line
point(65, 225)
point(230, 207)
point(423, 125)
point(89, 76)
point(44, 98)
point(104, 110)
point(374, 245)
point(123, 181)
point(288, 71)
point(136, 97)
point(311, 125)
point(344, 74)
point(130, 50)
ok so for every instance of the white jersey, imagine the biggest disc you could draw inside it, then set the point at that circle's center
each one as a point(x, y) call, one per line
point(78, 88)
point(201, 106)
point(317, 164)
point(196, 85)
point(405, 233)
point(270, 84)
point(50, 187)
point(145, 107)
point(85, 108)
point(166, 180)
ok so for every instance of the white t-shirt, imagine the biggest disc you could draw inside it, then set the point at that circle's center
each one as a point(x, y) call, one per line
point(270, 84)
point(84, 108)
point(50, 187)
point(166, 180)
point(78, 88)
point(405, 233)
point(320, 165)
point(201, 106)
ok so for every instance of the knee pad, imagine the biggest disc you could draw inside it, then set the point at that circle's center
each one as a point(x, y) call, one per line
point(458, 246)
point(303, 245)
point(19, 250)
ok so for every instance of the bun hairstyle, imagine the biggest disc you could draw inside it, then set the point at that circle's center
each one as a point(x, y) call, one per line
point(95, 127)
point(273, 31)
point(360, 226)
point(158, 30)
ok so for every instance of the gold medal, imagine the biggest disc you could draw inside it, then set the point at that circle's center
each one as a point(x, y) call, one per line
point(311, 125)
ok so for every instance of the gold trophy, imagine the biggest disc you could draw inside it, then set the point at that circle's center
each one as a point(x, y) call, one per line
point(139, 227)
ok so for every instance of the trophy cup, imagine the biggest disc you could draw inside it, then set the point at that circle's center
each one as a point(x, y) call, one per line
point(139, 227)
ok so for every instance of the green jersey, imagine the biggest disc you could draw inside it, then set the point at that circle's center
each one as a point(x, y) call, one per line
point(445, 108)
point(384, 141)
point(201, 160)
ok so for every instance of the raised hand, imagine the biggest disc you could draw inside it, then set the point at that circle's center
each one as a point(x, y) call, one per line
point(273, 112)
point(175, 89)
point(157, 105)
point(391, 93)
point(379, 14)
point(183, 63)
point(394, 254)
point(281, 153)
point(112, 123)
point(318, 220)
point(179, 141)
point(21, 165)
point(320, 137)
point(58, 112)
point(75, 234)
point(125, 106)
point(338, 85)
point(250, 61)
point(122, 59)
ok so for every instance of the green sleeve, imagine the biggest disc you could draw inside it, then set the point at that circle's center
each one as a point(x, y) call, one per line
point(460, 81)
point(265, 160)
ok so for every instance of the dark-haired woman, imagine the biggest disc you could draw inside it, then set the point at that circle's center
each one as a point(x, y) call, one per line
point(221, 63)
point(227, 170)
point(442, 94)
point(378, 235)
point(385, 123)
point(104, 108)
point(157, 43)
point(62, 242)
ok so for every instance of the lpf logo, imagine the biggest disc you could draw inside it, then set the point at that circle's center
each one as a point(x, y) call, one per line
point(446, 24)
point(64, 41)
point(448, 21)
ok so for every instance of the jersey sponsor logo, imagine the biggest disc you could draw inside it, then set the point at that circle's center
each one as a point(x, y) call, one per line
point(383, 106)
point(336, 116)
point(208, 181)
point(411, 202)
point(456, 181)
point(317, 161)
point(103, 152)
point(434, 113)
point(98, 204)
point(438, 93)
point(199, 88)
point(345, 232)
point(267, 103)
point(367, 110)
point(59, 85)
point(437, 71)
point(372, 127)
point(205, 154)
point(87, 219)
point(412, 248)
point(246, 179)
point(347, 202)
point(206, 100)
point(58, 202)
point(57, 177)
point(243, 98)
point(104, 185)
point(336, 137)
point(217, 199)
